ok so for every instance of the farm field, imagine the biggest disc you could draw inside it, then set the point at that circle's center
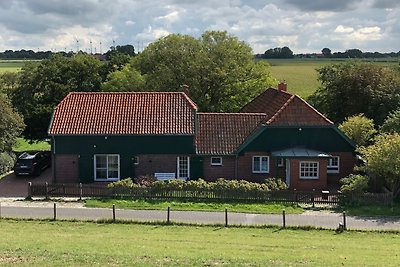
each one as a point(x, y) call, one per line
point(46, 243)
point(301, 74)
point(11, 65)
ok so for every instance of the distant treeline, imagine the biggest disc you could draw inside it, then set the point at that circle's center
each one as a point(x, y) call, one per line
point(285, 52)
point(30, 54)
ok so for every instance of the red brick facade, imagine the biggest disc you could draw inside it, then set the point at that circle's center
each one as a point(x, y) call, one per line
point(150, 164)
point(66, 168)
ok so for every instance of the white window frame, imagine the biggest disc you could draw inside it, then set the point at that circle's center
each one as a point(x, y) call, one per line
point(260, 164)
point(136, 160)
point(280, 162)
point(213, 163)
point(95, 168)
point(333, 168)
point(305, 167)
point(179, 168)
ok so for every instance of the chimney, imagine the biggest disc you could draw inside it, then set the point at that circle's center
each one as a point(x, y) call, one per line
point(282, 86)
point(185, 89)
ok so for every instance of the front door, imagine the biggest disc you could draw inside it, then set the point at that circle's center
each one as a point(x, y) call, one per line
point(288, 172)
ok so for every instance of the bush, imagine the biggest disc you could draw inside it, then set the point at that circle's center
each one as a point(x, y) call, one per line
point(354, 184)
point(123, 183)
point(7, 160)
point(146, 180)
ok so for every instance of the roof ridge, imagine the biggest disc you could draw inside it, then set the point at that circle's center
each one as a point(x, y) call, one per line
point(93, 93)
point(281, 109)
point(233, 113)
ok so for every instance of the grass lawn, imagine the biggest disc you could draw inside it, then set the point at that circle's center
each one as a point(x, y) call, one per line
point(393, 210)
point(198, 206)
point(39, 243)
point(11, 65)
point(23, 145)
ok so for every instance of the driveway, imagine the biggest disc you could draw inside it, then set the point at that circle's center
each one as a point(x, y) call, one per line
point(12, 186)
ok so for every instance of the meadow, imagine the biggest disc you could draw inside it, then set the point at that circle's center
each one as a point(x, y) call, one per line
point(11, 65)
point(61, 243)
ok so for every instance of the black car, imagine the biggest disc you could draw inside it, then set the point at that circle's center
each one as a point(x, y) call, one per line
point(32, 163)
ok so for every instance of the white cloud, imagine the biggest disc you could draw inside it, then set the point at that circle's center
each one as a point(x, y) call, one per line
point(343, 29)
point(367, 34)
point(169, 18)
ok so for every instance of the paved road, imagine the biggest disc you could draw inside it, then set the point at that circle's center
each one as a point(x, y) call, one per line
point(76, 211)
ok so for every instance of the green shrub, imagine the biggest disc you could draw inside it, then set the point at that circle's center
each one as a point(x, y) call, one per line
point(123, 183)
point(354, 184)
point(145, 180)
point(7, 160)
point(275, 184)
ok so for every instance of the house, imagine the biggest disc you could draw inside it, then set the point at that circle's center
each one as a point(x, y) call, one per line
point(104, 137)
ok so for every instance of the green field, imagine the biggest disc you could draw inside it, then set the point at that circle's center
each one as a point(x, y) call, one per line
point(11, 65)
point(301, 74)
point(41, 243)
point(23, 145)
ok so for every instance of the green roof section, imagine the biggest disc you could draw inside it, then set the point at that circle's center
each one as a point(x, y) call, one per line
point(299, 152)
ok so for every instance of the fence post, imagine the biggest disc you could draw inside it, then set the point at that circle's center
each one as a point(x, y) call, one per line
point(168, 214)
point(344, 221)
point(46, 185)
point(226, 217)
point(113, 212)
point(54, 211)
point(80, 191)
point(29, 190)
point(283, 218)
point(313, 198)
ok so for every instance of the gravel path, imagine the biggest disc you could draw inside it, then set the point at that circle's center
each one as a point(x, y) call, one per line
point(71, 209)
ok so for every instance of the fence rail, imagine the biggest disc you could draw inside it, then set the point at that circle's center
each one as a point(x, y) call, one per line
point(286, 196)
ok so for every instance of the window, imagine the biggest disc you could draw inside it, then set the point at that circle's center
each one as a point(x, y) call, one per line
point(183, 168)
point(106, 167)
point(333, 165)
point(260, 164)
point(136, 160)
point(216, 161)
point(309, 170)
point(280, 162)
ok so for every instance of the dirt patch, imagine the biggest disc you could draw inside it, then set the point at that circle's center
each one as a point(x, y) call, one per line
point(9, 259)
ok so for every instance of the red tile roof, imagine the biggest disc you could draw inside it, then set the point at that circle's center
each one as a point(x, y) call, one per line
point(223, 133)
point(283, 108)
point(125, 113)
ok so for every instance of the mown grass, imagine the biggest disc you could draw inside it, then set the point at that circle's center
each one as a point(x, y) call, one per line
point(194, 206)
point(41, 243)
point(24, 145)
point(370, 210)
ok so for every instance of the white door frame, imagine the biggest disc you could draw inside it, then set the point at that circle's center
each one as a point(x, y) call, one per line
point(288, 172)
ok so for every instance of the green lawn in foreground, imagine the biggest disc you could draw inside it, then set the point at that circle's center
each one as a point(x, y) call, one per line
point(198, 206)
point(35, 243)
point(23, 145)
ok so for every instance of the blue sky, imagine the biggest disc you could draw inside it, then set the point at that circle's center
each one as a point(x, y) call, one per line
point(303, 25)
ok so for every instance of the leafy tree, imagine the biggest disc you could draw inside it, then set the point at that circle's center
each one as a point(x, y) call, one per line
point(354, 183)
point(383, 160)
point(278, 52)
point(352, 88)
point(392, 122)
point(127, 79)
point(358, 128)
point(354, 53)
point(218, 67)
point(326, 52)
point(42, 86)
point(11, 125)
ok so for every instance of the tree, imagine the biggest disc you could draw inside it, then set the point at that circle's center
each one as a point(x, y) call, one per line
point(278, 52)
point(354, 53)
point(326, 52)
point(392, 122)
point(383, 160)
point(11, 125)
point(359, 129)
point(352, 88)
point(218, 67)
point(127, 79)
point(43, 85)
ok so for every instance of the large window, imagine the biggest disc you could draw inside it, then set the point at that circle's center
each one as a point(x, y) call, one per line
point(333, 165)
point(260, 164)
point(309, 170)
point(183, 167)
point(106, 167)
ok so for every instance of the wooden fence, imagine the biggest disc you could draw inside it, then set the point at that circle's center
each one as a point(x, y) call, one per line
point(286, 196)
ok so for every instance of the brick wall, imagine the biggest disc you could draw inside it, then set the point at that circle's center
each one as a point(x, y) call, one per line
point(347, 163)
point(226, 170)
point(149, 164)
point(308, 184)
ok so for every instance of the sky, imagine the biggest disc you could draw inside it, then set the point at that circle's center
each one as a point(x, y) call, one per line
point(305, 26)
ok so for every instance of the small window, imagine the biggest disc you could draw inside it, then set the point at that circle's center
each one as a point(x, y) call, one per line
point(216, 161)
point(136, 160)
point(260, 164)
point(309, 170)
point(106, 167)
point(280, 162)
point(333, 165)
